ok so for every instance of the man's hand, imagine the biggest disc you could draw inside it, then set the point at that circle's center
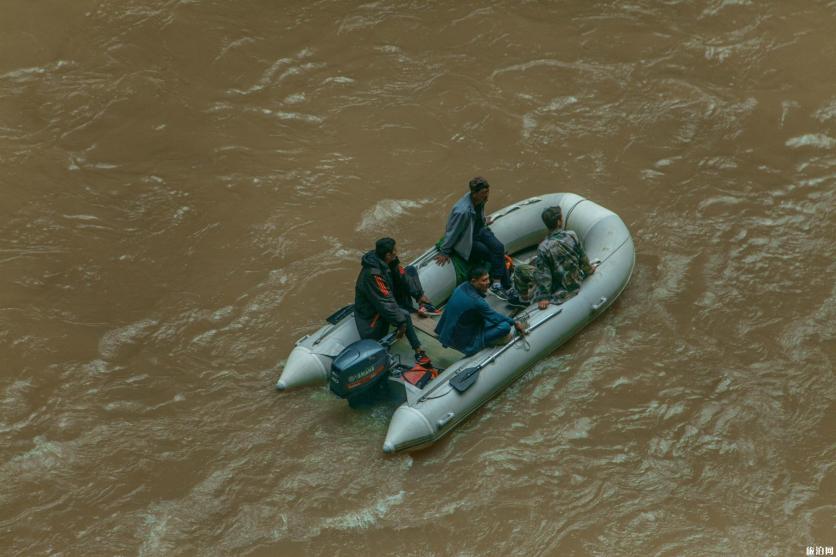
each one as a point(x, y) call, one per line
point(520, 326)
point(424, 300)
point(543, 304)
point(442, 259)
point(488, 220)
point(401, 331)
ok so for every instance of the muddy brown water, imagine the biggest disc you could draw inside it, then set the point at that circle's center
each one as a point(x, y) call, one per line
point(187, 188)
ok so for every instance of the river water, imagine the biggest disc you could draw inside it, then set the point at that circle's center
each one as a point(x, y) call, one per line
point(188, 185)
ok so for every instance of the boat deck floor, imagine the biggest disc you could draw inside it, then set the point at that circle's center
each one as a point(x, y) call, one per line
point(441, 357)
point(425, 327)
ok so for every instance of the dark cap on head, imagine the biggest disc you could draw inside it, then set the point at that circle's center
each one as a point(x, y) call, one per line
point(478, 184)
point(552, 217)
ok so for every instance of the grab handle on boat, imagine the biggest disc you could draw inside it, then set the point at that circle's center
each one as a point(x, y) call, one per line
point(599, 304)
point(445, 419)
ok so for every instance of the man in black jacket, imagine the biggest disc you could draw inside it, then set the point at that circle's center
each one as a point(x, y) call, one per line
point(377, 295)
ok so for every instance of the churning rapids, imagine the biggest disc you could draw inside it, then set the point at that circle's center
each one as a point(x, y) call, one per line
point(188, 186)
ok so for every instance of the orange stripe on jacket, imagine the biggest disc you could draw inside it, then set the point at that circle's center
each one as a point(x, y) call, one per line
point(381, 284)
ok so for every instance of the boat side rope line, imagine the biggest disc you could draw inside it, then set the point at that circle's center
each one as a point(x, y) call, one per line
point(613, 252)
point(569, 212)
point(519, 205)
point(490, 358)
point(445, 393)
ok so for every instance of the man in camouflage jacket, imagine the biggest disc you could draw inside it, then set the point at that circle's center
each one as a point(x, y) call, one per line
point(559, 267)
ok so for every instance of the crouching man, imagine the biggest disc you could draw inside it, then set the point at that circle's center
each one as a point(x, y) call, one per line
point(376, 305)
point(469, 323)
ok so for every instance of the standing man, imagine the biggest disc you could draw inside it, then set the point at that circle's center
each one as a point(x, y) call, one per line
point(468, 235)
point(559, 267)
point(468, 323)
point(375, 303)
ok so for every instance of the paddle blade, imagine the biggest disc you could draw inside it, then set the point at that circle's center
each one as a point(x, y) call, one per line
point(465, 379)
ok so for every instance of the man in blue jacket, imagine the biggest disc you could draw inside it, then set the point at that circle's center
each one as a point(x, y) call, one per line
point(468, 235)
point(468, 323)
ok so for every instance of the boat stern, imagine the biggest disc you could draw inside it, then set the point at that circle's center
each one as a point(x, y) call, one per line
point(303, 368)
point(408, 429)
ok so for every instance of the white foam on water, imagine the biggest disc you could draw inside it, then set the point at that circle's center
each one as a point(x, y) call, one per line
point(817, 140)
point(226, 312)
point(385, 211)
point(265, 79)
point(827, 112)
point(560, 103)
point(112, 342)
point(180, 213)
point(44, 456)
point(727, 200)
point(786, 108)
point(530, 119)
point(674, 269)
point(341, 79)
point(205, 338)
point(97, 366)
point(14, 406)
point(23, 74)
point(233, 45)
point(580, 429)
point(367, 516)
point(621, 381)
point(299, 70)
point(310, 118)
point(715, 10)
point(153, 544)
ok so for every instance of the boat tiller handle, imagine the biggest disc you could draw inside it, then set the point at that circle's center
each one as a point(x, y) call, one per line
point(599, 304)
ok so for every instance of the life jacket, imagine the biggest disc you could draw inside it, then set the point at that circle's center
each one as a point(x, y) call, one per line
point(419, 375)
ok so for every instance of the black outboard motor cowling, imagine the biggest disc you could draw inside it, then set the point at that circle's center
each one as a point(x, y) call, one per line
point(359, 367)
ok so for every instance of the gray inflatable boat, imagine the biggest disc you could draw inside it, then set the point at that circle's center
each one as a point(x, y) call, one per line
point(469, 382)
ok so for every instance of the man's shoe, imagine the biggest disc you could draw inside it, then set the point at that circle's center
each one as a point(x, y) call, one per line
point(422, 359)
point(515, 300)
point(428, 309)
point(499, 292)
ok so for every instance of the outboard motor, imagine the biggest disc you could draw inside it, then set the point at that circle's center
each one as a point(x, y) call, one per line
point(360, 367)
